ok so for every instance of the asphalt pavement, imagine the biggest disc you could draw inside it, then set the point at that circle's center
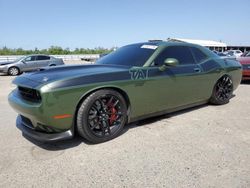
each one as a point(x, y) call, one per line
point(206, 146)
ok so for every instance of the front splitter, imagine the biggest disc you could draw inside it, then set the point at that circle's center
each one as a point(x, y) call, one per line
point(41, 136)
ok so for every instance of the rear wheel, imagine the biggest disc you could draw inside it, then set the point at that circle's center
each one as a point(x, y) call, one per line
point(101, 116)
point(13, 71)
point(222, 91)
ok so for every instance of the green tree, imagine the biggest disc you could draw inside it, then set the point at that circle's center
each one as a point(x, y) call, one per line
point(54, 50)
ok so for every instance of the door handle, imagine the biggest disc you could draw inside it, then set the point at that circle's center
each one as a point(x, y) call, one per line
point(197, 69)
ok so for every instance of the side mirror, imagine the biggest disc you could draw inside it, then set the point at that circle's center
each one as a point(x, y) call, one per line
point(24, 62)
point(169, 62)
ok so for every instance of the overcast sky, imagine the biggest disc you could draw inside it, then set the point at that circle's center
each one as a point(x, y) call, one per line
point(108, 23)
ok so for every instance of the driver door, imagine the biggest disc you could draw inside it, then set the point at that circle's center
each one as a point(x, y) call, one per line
point(29, 63)
point(172, 88)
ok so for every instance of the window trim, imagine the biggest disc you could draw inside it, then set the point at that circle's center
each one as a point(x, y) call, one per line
point(30, 58)
point(179, 65)
point(207, 57)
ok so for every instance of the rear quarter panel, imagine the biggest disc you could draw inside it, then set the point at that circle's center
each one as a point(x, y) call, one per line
point(234, 69)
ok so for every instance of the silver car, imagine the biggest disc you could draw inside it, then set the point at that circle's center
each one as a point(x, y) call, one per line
point(29, 63)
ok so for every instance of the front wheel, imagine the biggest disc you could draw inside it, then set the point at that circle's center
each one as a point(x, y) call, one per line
point(101, 116)
point(222, 91)
point(13, 71)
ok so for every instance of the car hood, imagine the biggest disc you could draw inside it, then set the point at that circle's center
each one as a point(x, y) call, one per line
point(6, 63)
point(65, 74)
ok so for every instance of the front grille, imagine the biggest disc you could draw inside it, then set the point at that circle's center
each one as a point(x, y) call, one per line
point(29, 94)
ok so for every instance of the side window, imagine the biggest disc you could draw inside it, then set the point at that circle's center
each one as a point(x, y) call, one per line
point(181, 53)
point(30, 58)
point(198, 54)
point(42, 57)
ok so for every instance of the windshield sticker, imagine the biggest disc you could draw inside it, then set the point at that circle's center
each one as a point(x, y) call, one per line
point(152, 47)
point(138, 74)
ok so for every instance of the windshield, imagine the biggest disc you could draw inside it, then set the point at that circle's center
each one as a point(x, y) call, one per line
point(134, 55)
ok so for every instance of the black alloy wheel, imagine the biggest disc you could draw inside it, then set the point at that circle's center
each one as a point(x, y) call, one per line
point(223, 91)
point(102, 116)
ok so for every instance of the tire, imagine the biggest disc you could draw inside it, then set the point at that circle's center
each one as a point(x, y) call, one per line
point(13, 71)
point(222, 91)
point(101, 116)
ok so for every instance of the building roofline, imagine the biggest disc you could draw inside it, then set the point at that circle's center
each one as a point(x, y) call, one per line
point(207, 43)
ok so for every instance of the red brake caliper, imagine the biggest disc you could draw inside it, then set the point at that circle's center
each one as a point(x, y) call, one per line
point(113, 115)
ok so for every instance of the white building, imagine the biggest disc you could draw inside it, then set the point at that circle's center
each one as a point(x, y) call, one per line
point(213, 45)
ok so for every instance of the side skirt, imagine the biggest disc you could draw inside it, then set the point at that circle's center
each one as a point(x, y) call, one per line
point(130, 120)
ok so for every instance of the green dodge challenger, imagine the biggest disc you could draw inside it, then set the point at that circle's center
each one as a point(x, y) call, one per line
point(134, 82)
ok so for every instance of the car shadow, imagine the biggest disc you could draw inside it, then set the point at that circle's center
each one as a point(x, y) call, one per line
point(59, 145)
point(2, 74)
point(77, 140)
point(161, 117)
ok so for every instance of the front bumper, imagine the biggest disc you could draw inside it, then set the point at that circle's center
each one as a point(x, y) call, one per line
point(34, 121)
point(3, 69)
point(42, 136)
point(42, 113)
